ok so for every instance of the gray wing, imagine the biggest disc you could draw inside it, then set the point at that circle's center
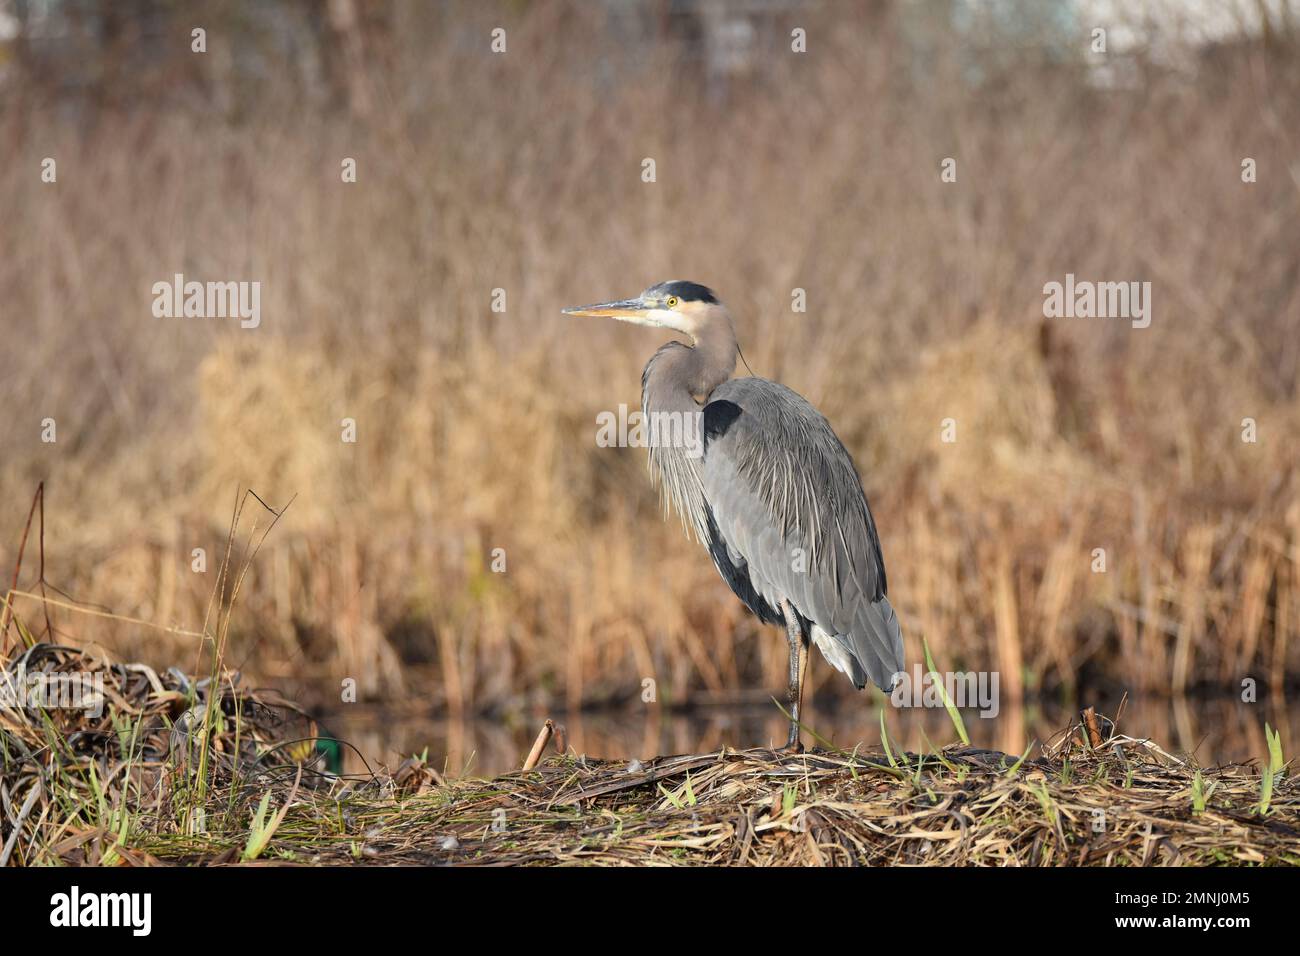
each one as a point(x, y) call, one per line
point(791, 519)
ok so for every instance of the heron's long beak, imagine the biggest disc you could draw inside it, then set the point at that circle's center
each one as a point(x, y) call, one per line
point(629, 310)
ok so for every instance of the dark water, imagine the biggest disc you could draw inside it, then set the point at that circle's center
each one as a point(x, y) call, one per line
point(1213, 730)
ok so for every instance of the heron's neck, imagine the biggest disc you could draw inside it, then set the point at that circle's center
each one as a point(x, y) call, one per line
point(676, 381)
point(680, 378)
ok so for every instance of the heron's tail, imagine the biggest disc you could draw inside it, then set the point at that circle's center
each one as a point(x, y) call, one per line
point(876, 645)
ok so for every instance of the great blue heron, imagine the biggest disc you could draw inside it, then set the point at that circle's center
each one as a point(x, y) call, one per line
point(768, 489)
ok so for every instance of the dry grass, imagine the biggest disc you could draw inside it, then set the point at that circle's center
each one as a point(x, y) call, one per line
point(476, 430)
point(126, 788)
point(957, 806)
point(80, 787)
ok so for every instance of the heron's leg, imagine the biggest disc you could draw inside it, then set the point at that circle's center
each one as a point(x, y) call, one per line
point(798, 652)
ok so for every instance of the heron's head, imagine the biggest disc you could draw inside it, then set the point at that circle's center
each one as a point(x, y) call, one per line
point(682, 306)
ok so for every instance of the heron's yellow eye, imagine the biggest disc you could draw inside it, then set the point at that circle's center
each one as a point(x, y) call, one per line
point(672, 302)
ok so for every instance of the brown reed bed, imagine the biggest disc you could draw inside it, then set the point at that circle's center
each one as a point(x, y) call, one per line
point(129, 786)
point(476, 429)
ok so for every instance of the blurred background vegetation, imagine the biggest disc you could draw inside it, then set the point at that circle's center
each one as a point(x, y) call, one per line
point(775, 170)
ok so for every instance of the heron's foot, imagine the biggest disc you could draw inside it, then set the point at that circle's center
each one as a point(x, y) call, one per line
point(794, 747)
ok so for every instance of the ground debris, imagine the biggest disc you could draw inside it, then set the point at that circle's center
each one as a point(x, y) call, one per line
point(132, 785)
point(961, 806)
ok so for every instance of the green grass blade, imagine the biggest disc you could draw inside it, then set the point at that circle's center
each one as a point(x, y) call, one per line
point(884, 740)
point(953, 713)
point(1011, 771)
point(1274, 769)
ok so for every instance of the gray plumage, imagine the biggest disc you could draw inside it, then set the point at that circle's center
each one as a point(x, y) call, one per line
point(789, 507)
point(774, 496)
